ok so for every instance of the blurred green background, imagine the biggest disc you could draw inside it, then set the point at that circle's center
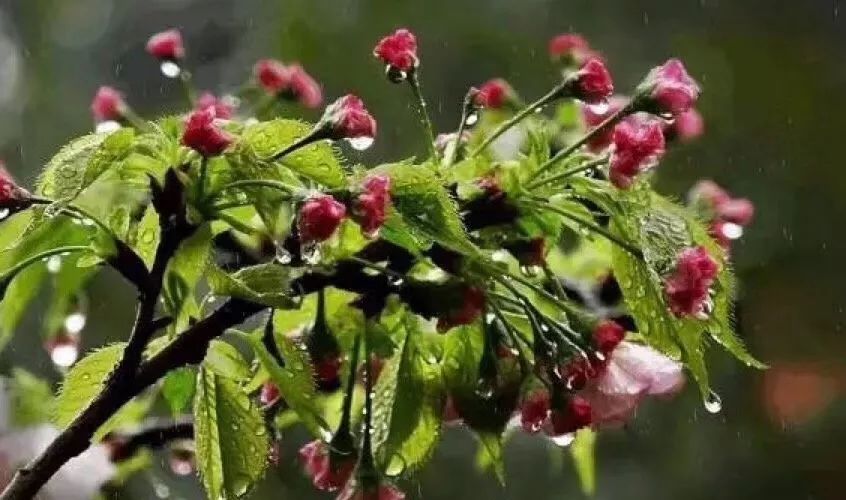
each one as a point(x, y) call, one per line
point(775, 106)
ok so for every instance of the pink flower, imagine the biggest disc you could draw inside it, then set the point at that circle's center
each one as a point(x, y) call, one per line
point(534, 410)
point(708, 193)
point(398, 50)
point(576, 414)
point(736, 210)
point(269, 394)
point(349, 118)
point(716, 203)
point(631, 372)
point(687, 288)
point(570, 48)
point(318, 464)
point(607, 335)
point(638, 144)
point(291, 82)
point(222, 108)
point(319, 217)
point(671, 90)
point(686, 126)
point(203, 136)
point(272, 75)
point(166, 45)
point(493, 94)
point(384, 491)
point(108, 104)
point(371, 206)
point(593, 83)
point(473, 301)
point(10, 192)
point(595, 115)
point(304, 88)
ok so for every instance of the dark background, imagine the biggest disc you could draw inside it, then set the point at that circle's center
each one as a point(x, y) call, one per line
point(774, 78)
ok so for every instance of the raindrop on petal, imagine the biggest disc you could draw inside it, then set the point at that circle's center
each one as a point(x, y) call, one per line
point(360, 143)
point(170, 69)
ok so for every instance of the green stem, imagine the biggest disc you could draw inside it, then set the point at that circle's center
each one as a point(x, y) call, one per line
point(375, 267)
point(521, 357)
point(503, 127)
point(188, 87)
point(10, 273)
point(612, 120)
point(587, 225)
point(279, 186)
point(201, 181)
point(135, 120)
point(238, 225)
point(567, 173)
point(414, 82)
point(346, 412)
point(316, 134)
point(466, 109)
point(556, 283)
point(77, 213)
point(367, 444)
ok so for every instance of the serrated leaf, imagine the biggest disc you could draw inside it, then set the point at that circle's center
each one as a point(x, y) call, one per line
point(146, 237)
point(408, 405)
point(230, 436)
point(31, 399)
point(295, 380)
point(318, 162)
point(224, 360)
point(265, 284)
point(582, 450)
point(489, 455)
point(178, 389)
point(64, 174)
point(114, 148)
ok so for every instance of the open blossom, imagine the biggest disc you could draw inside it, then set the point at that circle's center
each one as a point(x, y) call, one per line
point(319, 217)
point(349, 119)
point(593, 83)
point(687, 287)
point(108, 104)
point(398, 50)
point(671, 90)
point(638, 144)
point(318, 464)
point(222, 108)
point(570, 48)
point(166, 45)
point(686, 126)
point(371, 206)
point(631, 372)
point(203, 135)
point(493, 94)
point(472, 304)
point(595, 115)
point(291, 82)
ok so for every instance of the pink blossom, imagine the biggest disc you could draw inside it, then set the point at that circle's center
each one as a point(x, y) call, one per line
point(222, 108)
point(272, 75)
point(571, 48)
point(493, 94)
point(736, 210)
point(203, 135)
point(686, 126)
point(687, 287)
point(638, 144)
point(371, 206)
point(318, 464)
point(303, 88)
point(108, 104)
point(594, 116)
point(291, 82)
point(671, 90)
point(166, 45)
point(593, 83)
point(398, 50)
point(319, 217)
point(349, 118)
point(10, 192)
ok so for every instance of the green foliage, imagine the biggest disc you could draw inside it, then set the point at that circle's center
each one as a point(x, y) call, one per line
point(231, 439)
point(582, 450)
point(225, 361)
point(178, 389)
point(64, 175)
point(30, 399)
point(265, 284)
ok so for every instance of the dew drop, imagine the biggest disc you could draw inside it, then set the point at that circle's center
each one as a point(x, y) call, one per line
point(107, 127)
point(75, 322)
point(311, 253)
point(360, 143)
point(731, 230)
point(538, 109)
point(396, 280)
point(4, 212)
point(54, 264)
point(395, 75)
point(283, 256)
point(161, 490)
point(530, 271)
point(180, 464)
point(599, 108)
point(170, 69)
point(485, 388)
point(713, 403)
point(563, 440)
point(471, 119)
point(64, 355)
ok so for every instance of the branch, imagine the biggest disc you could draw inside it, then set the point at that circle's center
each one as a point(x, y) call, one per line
point(151, 437)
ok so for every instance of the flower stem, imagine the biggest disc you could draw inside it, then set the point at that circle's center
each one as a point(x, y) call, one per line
point(135, 120)
point(77, 213)
point(612, 120)
point(503, 127)
point(316, 134)
point(10, 273)
point(567, 173)
point(346, 412)
point(279, 186)
point(367, 444)
point(375, 267)
point(466, 109)
point(414, 82)
point(188, 87)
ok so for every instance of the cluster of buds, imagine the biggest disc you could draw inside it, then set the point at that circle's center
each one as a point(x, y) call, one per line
point(726, 215)
point(288, 82)
point(688, 287)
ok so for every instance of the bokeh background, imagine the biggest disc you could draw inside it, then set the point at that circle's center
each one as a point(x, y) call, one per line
point(775, 104)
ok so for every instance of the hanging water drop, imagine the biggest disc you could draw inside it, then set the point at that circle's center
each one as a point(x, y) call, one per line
point(472, 119)
point(4, 212)
point(599, 108)
point(530, 271)
point(54, 264)
point(107, 127)
point(713, 403)
point(170, 69)
point(731, 230)
point(396, 280)
point(563, 440)
point(75, 322)
point(283, 256)
point(485, 388)
point(361, 143)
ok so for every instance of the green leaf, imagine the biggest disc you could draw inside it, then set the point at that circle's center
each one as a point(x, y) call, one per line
point(426, 207)
point(408, 405)
point(265, 284)
point(145, 240)
point(295, 380)
point(318, 162)
point(113, 150)
point(178, 389)
point(231, 438)
point(225, 361)
point(490, 454)
point(31, 399)
point(64, 176)
point(582, 450)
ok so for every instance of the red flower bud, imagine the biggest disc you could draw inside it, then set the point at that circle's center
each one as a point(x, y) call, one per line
point(10, 192)
point(687, 288)
point(716, 204)
point(576, 415)
point(107, 104)
point(594, 115)
point(671, 90)
point(319, 217)
point(607, 335)
point(203, 136)
point(325, 475)
point(686, 126)
point(593, 83)
point(349, 119)
point(534, 410)
point(638, 143)
point(398, 50)
point(528, 252)
point(291, 82)
point(371, 206)
point(327, 371)
point(166, 45)
point(272, 75)
point(473, 302)
point(493, 94)
point(736, 210)
point(222, 108)
point(382, 491)
point(571, 49)
point(269, 394)
point(304, 88)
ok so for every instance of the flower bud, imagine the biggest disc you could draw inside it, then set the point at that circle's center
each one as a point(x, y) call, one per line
point(473, 302)
point(576, 414)
point(570, 49)
point(319, 217)
point(108, 104)
point(638, 144)
point(371, 207)
point(669, 89)
point(223, 109)
point(399, 53)
point(607, 335)
point(203, 136)
point(592, 83)
point(685, 127)
point(289, 82)
point(349, 119)
point(326, 474)
point(687, 288)
point(269, 394)
point(493, 94)
point(166, 46)
point(534, 410)
point(11, 195)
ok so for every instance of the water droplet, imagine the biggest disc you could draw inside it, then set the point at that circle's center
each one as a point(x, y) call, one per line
point(599, 356)
point(396, 280)
point(54, 264)
point(161, 489)
point(170, 69)
point(86, 377)
point(530, 271)
point(361, 143)
point(283, 256)
point(311, 253)
point(599, 108)
point(713, 403)
point(563, 440)
point(471, 119)
point(395, 75)
point(107, 127)
point(64, 355)
point(731, 230)
point(75, 322)
point(4, 212)
point(539, 109)
point(485, 388)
